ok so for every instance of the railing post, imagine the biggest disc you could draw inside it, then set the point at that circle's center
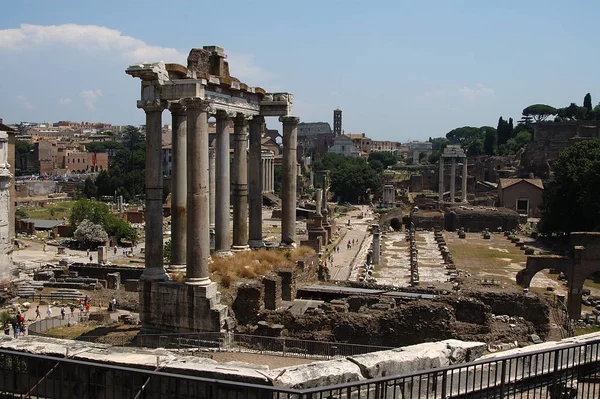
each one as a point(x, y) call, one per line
point(502, 377)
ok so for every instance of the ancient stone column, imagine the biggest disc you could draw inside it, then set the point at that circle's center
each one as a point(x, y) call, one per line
point(452, 178)
point(256, 180)
point(198, 245)
point(441, 179)
point(222, 183)
point(212, 161)
point(464, 180)
point(154, 269)
point(240, 183)
point(318, 201)
point(288, 192)
point(376, 243)
point(178, 188)
point(270, 174)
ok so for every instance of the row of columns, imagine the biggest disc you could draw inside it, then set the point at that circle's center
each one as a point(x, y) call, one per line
point(453, 179)
point(268, 171)
point(193, 211)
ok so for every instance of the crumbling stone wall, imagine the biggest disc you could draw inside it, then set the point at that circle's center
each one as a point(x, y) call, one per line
point(428, 220)
point(480, 218)
point(248, 302)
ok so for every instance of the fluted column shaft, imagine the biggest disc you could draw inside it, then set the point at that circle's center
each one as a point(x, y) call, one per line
point(178, 188)
point(464, 180)
point(198, 245)
point(222, 183)
point(154, 269)
point(288, 195)
point(240, 183)
point(452, 179)
point(256, 182)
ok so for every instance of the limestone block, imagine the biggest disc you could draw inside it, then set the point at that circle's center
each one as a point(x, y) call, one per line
point(316, 374)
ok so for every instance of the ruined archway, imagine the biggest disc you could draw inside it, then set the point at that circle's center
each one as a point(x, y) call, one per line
point(396, 224)
point(584, 261)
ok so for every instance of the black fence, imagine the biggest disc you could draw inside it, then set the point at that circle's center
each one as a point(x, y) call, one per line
point(568, 372)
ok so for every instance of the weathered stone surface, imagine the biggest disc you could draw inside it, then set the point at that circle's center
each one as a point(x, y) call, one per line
point(316, 374)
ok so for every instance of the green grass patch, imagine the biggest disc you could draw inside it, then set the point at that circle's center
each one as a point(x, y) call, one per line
point(66, 332)
point(582, 331)
point(50, 211)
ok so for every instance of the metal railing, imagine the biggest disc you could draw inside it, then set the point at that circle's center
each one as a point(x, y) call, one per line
point(567, 372)
point(231, 342)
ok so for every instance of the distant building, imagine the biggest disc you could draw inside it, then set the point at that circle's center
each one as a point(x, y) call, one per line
point(417, 148)
point(344, 145)
point(315, 137)
point(362, 142)
point(337, 122)
point(521, 195)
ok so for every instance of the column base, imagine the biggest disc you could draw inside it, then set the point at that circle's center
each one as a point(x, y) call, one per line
point(255, 244)
point(176, 269)
point(240, 248)
point(199, 281)
point(222, 253)
point(284, 245)
point(154, 275)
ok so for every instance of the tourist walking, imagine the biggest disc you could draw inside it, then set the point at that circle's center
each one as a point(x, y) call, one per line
point(49, 311)
point(37, 313)
point(62, 312)
point(114, 304)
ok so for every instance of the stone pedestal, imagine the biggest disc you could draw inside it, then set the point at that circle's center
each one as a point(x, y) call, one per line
point(102, 254)
point(183, 308)
point(113, 281)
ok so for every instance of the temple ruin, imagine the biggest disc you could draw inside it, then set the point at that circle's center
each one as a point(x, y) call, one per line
point(193, 94)
point(452, 152)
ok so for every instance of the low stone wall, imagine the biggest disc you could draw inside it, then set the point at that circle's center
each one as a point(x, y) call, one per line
point(473, 218)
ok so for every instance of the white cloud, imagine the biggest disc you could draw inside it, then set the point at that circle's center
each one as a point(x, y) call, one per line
point(93, 39)
point(64, 101)
point(86, 37)
point(480, 91)
point(90, 97)
point(24, 102)
point(434, 95)
point(242, 66)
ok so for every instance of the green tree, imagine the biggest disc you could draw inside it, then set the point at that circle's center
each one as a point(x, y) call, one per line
point(571, 201)
point(95, 147)
point(587, 102)
point(22, 147)
point(94, 211)
point(89, 188)
point(386, 158)
point(475, 148)
point(489, 142)
point(539, 112)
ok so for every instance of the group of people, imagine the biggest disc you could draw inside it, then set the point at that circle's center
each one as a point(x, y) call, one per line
point(18, 325)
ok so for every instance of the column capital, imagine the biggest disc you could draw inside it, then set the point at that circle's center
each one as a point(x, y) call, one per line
point(152, 105)
point(257, 119)
point(289, 119)
point(223, 114)
point(241, 119)
point(176, 107)
point(197, 103)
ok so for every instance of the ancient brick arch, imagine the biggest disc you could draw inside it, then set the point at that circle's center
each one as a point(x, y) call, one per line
point(584, 261)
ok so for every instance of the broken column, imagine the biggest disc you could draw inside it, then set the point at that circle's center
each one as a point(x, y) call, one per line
point(376, 243)
point(178, 188)
point(198, 236)
point(464, 180)
point(222, 183)
point(316, 228)
point(441, 179)
point(256, 183)
point(288, 195)
point(154, 269)
point(452, 178)
point(240, 183)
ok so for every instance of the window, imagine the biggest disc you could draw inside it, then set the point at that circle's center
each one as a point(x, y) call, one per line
point(523, 205)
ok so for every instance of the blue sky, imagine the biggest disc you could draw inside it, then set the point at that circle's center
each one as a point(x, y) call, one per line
point(399, 70)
